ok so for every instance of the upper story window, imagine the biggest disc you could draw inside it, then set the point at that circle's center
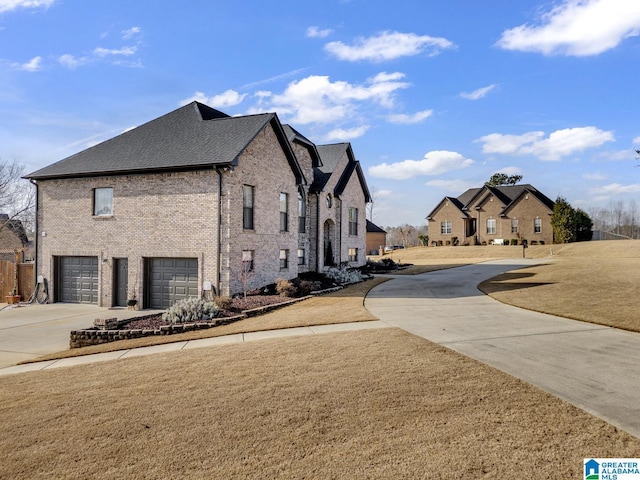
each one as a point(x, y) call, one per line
point(353, 221)
point(537, 225)
point(247, 207)
point(491, 226)
point(445, 227)
point(329, 200)
point(284, 212)
point(302, 214)
point(514, 225)
point(102, 201)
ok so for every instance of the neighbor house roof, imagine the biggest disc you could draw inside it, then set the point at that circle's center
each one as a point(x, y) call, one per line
point(373, 228)
point(192, 137)
point(507, 194)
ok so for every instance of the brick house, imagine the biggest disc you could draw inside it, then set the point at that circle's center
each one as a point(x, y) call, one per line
point(191, 199)
point(492, 215)
point(13, 237)
point(376, 238)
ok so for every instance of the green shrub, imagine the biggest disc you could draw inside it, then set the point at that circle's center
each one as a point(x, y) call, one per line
point(514, 241)
point(190, 310)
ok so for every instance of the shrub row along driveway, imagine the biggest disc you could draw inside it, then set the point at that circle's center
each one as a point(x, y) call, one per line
point(594, 367)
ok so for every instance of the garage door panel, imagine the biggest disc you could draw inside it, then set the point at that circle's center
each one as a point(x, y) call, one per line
point(78, 277)
point(171, 280)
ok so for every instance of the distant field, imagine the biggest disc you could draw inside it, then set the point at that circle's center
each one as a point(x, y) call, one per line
point(590, 281)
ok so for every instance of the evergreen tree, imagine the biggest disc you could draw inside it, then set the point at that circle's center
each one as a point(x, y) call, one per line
point(584, 226)
point(563, 221)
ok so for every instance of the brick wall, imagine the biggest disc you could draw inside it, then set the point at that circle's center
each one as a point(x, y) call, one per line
point(163, 215)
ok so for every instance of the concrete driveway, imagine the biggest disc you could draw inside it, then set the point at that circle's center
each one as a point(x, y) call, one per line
point(594, 367)
point(31, 331)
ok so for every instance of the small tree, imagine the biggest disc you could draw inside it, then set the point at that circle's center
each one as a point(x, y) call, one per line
point(246, 274)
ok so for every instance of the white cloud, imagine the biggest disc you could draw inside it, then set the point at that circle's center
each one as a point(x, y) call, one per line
point(343, 135)
point(9, 5)
point(557, 145)
point(636, 141)
point(225, 99)
point(477, 94)
point(594, 176)
point(70, 61)
point(125, 51)
point(433, 163)
point(315, 99)
point(405, 119)
point(32, 65)
point(454, 186)
point(616, 188)
point(509, 170)
point(130, 33)
point(577, 28)
point(388, 46)
point(317, 32)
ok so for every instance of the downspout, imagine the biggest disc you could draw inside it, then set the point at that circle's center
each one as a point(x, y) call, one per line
point(219, 242)
point(340, 235)
point(318, 232)
point(35, 240)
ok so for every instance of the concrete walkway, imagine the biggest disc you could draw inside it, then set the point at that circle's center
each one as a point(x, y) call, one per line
point(593, 367)
point(185, 345)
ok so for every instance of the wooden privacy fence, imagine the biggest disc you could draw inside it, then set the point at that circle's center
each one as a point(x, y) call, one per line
point(19, 274)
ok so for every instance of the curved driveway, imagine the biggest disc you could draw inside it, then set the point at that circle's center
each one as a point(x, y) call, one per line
point(594, 367)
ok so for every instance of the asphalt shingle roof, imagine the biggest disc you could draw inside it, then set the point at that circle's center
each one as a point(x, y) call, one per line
point(193, 136)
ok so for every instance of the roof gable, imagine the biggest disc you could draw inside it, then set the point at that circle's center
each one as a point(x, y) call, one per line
point(373, 228)
point(331, 156)
point(454, 201)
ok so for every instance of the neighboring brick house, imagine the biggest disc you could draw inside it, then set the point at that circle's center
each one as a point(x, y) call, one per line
point(12, 238)
point(376, 238)
point(194, 197)
point(492, 215)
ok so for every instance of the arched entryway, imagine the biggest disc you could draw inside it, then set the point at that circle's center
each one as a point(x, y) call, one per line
point(329, 244)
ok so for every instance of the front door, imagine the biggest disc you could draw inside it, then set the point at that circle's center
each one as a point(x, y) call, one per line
point(121, 287)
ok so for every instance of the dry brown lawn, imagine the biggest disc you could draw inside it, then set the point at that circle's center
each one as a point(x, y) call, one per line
point(594, 282)
point(370, 404)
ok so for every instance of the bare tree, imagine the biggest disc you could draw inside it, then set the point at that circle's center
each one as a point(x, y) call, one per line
point(17, 196)
point(375, 196)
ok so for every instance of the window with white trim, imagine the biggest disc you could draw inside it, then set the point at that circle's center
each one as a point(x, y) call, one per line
point(353, 254)
point(445, 227)
point(537, 225)
point(514, 225)
point(491, 226)
point(301, 257)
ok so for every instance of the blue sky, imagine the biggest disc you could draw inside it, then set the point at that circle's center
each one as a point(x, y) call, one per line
point(434, 96)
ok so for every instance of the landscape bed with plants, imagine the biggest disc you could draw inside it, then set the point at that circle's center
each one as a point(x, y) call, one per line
point(198, 313)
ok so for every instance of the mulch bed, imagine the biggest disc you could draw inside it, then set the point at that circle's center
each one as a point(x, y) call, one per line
point(237, 307)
